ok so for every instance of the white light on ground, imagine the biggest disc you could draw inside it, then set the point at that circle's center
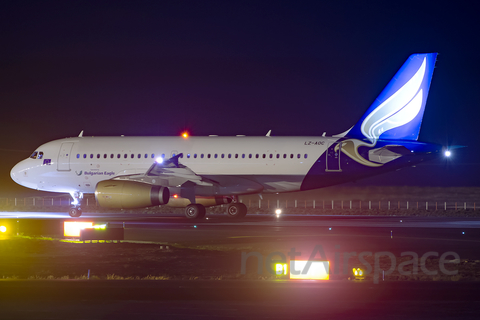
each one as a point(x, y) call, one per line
point(318, 270)
point(72, 228)
point(448, 153)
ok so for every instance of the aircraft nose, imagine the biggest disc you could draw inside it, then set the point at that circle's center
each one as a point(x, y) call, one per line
point(14, 173)
point(19, 172)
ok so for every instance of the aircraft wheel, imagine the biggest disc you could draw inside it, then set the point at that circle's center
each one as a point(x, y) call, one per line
point(195, 211)
point(75, 212)
point(237, 210)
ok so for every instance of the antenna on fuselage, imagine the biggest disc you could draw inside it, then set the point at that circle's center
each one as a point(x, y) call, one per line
point(268, 133)
point(81, 134)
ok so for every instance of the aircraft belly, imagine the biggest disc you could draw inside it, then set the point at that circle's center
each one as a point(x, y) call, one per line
point(248, 184)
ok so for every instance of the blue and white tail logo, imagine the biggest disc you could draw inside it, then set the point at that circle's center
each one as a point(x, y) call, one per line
point(397, 112)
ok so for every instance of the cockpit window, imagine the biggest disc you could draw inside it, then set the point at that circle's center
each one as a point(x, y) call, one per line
point(37, 155)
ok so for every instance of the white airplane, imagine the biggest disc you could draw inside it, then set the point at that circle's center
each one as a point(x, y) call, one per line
point(196, 172)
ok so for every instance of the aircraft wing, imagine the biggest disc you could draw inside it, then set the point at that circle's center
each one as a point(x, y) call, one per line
point(169, 173)
point(176, 172)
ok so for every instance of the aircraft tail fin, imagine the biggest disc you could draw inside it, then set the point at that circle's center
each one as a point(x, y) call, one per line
point(397, 113)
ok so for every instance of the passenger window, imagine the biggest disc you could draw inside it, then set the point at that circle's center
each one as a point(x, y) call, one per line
point(278, 156)
point(256, 156)
point(139, 156)
point(223, 155)
point(250, 155)
point(271, 156)
point(98, 155)
point(216, 156)
point(243, 155)
point(118, 156)
point(298, 156)
point(84, 156)
point(229, 155)
point(125, 156)
point(111, 156)
point(146, 156)
point(132, 156)
point(105, 156)
point(78, 155)
point(163, 155)
point(153, 155)
point(91, 155)
point(284, 156)
point(208, 156)
point(201, 156)
point(264, 156)
point(291, 155)
point(236, 155)
point(305, 156)
point(188, 155)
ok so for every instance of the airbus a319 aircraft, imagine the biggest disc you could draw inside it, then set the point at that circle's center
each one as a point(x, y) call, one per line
point(197, 172)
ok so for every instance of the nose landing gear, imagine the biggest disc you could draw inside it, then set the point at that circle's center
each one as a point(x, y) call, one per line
point(76, 210)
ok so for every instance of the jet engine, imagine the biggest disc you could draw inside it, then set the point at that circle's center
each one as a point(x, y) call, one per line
point(130, 194)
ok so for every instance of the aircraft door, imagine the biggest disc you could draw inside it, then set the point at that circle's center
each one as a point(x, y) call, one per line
point(333, 157)
point(63, 163)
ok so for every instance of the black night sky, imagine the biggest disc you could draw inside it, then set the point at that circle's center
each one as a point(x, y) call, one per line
point(224, 67)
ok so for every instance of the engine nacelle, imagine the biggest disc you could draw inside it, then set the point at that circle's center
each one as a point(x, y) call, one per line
point(179, 202)
point(130, 194)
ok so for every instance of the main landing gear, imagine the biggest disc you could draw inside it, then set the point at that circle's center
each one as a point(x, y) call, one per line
point(76, 211)
point(195, 211)
point(234, 210)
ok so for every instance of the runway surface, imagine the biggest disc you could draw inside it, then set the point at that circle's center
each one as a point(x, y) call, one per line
point(334, 233)
point(265, 220)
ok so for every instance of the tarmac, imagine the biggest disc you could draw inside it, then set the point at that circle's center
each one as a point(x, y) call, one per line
point(278, 299)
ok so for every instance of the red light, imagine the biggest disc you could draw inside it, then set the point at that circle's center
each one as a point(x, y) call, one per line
point(185, 135)
point(175, 196)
